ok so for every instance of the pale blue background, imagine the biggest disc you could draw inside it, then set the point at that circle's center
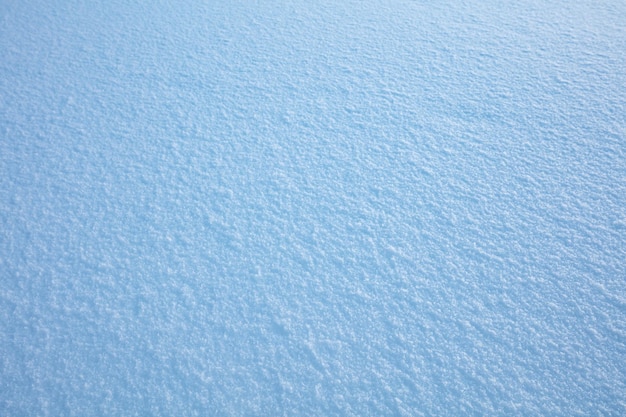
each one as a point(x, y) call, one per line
point(307, 208)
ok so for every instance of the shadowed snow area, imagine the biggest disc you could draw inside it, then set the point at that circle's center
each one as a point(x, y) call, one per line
point(312, 208)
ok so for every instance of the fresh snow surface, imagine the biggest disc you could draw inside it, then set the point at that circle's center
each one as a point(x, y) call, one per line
point(312, 208)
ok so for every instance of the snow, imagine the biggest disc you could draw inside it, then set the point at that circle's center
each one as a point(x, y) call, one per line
point(311, 208)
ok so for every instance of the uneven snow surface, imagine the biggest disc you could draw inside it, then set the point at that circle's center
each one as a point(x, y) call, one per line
point(312, 208)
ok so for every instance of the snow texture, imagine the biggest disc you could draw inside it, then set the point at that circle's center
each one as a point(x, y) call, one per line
point(312, 208)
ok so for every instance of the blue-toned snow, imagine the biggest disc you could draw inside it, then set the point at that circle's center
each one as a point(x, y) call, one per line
point(312, 208)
